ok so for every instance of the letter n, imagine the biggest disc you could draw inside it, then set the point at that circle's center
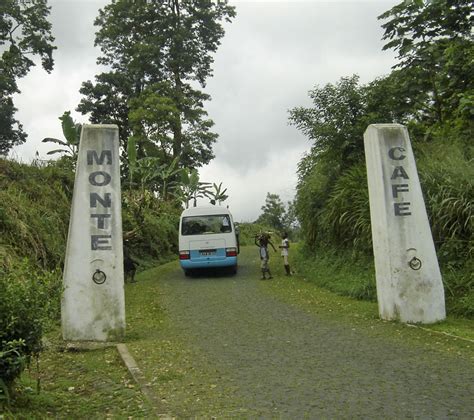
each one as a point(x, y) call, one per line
point(106, 201)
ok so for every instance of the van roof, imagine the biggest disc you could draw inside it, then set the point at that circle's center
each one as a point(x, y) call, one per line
point(204, 210)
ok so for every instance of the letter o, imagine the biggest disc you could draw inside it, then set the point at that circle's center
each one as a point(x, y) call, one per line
point(105, 181)
point(391, 153)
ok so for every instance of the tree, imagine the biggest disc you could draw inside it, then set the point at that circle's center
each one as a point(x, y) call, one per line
point(436, 52)
point(273, 212)
point(156, 52)
point(24, 32)
point(290, 220)
point(334, 122)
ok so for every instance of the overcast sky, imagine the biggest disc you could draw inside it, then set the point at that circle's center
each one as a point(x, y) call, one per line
point(272, 54)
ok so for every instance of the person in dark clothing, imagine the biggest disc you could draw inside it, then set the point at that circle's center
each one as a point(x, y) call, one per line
point(129, 266)
point(262, 241)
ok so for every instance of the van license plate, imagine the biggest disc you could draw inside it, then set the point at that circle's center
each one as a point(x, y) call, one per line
point(206, 253)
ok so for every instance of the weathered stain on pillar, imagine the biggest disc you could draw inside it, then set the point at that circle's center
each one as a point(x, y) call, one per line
point(93, 304)
point(409, 284)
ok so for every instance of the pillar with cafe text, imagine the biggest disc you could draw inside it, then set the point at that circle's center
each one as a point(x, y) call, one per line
point(409, 284)
point(93, 304)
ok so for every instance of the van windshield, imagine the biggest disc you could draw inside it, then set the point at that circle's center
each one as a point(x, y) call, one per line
point(206, 225)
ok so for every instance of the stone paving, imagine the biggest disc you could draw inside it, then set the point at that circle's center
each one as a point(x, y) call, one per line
point(283, 362)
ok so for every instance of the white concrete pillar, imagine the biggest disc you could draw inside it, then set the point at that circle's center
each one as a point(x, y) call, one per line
point(409, 285)
point(93, 305)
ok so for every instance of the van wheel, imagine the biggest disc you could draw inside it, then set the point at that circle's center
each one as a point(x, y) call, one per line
point(187, 273)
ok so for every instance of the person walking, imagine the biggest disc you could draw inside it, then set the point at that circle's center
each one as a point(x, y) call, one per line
point(285, 246)
point(262, 241)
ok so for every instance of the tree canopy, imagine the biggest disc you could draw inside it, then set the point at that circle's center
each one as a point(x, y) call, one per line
point(158, 52)
point(435, 49)
point(24, 32)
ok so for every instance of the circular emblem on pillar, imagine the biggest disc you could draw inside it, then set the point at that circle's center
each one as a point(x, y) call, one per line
point(99, 277)
point(415, 263)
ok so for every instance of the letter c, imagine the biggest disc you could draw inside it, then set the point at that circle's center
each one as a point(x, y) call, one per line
point(391, 153)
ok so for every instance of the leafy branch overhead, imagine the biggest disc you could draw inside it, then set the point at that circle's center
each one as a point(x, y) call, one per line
point(24, 32)
point(435, 49)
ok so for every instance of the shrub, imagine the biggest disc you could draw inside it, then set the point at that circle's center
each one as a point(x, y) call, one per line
point(29, 300)
point(152, 225)
point(345, 219)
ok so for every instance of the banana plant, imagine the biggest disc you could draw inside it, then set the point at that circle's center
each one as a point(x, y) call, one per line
point(72, 135)
point(218, 195)
point(153, 174)
point(159, 177)
point(192, 188)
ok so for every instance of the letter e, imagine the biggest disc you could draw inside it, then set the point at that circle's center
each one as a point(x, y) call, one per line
point(402, 209)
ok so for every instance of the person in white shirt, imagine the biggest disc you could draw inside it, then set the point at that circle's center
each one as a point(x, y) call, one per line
point(285, 245)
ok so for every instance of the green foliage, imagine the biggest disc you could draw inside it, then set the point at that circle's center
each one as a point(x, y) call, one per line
point(336, 214)
point(153, 176)
point(435, 48)
point(34, 211)
point(29, 299)
point(334, 122)
point(273, 212)
point(150, 226)
point(339, 116)
point(248, 232)
point(447, 180)
point(341, 271)
point(24, 31)
point(11, 131)
point(430, 91)
point(218, 195)
point(150, 90)
point(191, 188)
point(72, 134)
point(345, 218)
point(279, 217)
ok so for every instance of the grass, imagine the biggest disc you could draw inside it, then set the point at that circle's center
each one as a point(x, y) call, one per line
point(348, 288)
point(343, 272)
point(79, 384)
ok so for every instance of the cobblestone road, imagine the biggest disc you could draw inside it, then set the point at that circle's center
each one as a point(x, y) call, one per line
point(281, 361)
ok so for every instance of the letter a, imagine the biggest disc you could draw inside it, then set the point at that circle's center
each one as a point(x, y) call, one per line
point(399, 172)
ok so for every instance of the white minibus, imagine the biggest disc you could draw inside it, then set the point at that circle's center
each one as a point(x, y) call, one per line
point(207, 239)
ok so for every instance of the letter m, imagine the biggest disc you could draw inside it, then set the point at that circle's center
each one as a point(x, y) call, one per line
point(99, 160)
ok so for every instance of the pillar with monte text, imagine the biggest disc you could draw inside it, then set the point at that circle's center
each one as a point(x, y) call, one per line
point(93, 304)
point(409, 284)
